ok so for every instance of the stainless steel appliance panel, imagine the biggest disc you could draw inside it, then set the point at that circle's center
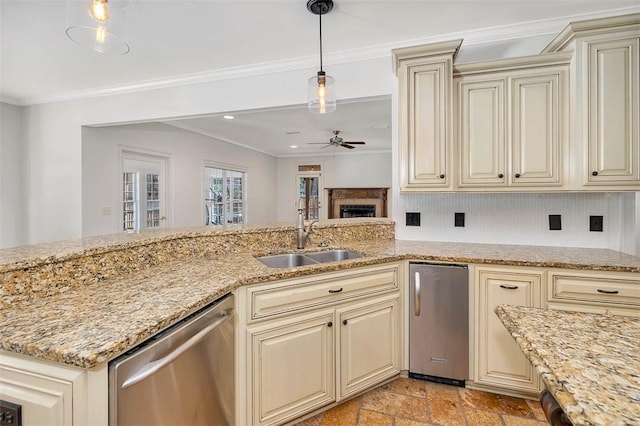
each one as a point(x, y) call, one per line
point(183, 376)
point(439, 321)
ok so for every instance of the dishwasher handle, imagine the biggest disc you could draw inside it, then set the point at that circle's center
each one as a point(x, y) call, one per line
point(156, 365)
point(418, 295)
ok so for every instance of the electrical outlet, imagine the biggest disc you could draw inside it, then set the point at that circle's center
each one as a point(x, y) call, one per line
point(595, 223)
point(413, 219)
point(458, 219)
point(10, 414)
point(555, 222)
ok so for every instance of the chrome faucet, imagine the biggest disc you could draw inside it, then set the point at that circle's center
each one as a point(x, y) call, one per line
point(303, 233)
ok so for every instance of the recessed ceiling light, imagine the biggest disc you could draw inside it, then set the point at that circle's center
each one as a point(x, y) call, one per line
point(294, 132)
point(293, 146)
point(380, 126)
point(228, 117)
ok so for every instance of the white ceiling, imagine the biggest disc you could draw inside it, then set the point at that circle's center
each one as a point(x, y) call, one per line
point(172, 39)
point(275, 131)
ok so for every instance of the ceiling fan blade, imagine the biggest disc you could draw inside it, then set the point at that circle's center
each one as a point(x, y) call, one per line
point(317, 143)
point(346, 146)
point(326, 146)
point(355, 142)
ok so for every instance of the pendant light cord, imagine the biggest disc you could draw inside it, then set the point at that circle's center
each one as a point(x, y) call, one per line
point(320, 16)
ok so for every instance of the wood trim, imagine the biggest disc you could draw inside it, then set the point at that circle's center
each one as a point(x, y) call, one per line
point(338, 196)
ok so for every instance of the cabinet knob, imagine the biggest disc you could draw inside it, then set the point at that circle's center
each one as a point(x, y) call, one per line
point(344, 322)
point(500, 175)
point(330, 324)
point(594, 173)
point(517, 175)
point(441, 176)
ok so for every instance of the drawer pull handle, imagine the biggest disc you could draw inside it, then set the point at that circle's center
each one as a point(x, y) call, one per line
point(607, 291)
point(508, 287)
point(336, 291)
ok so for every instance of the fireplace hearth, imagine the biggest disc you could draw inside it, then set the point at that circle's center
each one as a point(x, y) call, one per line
point(357, 202)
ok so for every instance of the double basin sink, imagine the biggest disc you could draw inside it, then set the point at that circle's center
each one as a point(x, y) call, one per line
point(291, 260)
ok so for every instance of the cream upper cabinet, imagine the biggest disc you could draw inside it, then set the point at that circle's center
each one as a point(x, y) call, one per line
point(610, 116)
point(499, 362)
point(605, 131)
point(425, 78)
point(511, 125)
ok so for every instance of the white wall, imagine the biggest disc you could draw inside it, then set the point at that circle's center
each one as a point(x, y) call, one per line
point(522, 218)
point(53, 171)
point(187, 152)
point(352, 170)
point(11, 183)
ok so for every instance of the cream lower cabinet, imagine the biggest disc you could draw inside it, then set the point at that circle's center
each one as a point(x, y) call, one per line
point(293, 366)
point(53, 394)
point(616, 293)
point(314, 341)
point(499, 362)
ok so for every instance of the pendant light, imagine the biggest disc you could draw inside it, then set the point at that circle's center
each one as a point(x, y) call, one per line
point(322, 91)
point(98, 25)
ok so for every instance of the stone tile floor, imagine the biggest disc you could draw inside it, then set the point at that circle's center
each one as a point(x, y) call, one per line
point(410, 402)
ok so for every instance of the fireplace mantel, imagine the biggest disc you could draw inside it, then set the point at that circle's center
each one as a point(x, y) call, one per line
point(357, 196)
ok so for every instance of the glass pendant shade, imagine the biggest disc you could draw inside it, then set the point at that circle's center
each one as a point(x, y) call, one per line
point(98, 25)
point(322, 93)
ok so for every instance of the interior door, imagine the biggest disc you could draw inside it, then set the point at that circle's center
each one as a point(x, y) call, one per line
point(143, 192)
point(309, 190)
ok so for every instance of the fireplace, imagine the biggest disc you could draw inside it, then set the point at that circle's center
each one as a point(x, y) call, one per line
point(357, 210)
point(357, 202)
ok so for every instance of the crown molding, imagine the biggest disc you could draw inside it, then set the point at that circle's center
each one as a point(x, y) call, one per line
point(473, 37)
point(11, 101)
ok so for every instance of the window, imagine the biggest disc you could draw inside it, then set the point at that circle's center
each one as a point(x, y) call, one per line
point(224, 196)
point(129, 201)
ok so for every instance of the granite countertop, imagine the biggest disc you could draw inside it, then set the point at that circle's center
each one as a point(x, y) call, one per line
point(89, 324)
point(589, 362)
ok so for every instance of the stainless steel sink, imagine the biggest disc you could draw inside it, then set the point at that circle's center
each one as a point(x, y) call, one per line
point(289, 260)
point(333, 255)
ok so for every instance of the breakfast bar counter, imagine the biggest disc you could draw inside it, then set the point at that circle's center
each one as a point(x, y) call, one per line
point(590, 363)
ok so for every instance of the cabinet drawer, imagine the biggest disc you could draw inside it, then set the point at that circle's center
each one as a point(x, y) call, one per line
point(309, 292)
point(623, 290)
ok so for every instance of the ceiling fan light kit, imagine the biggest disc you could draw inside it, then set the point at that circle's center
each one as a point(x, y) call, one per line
point(321, 87)
point(98, 25)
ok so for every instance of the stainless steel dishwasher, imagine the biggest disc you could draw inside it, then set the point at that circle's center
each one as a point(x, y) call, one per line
point(182, 376)
point(439, 323)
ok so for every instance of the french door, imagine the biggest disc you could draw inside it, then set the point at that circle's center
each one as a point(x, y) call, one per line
point(143, 192)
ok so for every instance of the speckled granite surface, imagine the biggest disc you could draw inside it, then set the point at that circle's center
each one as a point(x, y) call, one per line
point(96, 298)
point(589, 362)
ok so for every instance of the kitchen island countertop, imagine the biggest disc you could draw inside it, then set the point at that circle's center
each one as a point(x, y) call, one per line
point(86, 319)
point(590, 363)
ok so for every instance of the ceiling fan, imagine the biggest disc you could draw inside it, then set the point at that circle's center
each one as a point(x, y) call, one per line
point(336, 140)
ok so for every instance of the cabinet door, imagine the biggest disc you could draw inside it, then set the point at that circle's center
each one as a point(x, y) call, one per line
point(499, 360)
point(292, 367)
point(610, 115)
point(481, 132)
point(537, 126)
point(369, 345)
point(425, 124)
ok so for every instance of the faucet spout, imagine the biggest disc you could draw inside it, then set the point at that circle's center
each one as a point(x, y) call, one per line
point(303, 233)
